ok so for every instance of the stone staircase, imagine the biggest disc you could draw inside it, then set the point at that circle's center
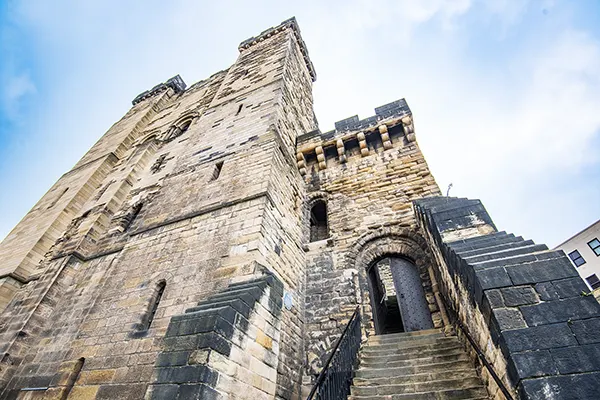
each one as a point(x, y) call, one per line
point(416, 365)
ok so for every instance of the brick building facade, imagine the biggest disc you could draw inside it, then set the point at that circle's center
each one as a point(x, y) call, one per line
point(214, 244)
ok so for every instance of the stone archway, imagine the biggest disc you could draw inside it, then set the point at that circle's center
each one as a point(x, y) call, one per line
point(393, 242)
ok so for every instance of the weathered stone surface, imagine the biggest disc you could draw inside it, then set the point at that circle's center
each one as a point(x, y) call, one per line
point(158, 266)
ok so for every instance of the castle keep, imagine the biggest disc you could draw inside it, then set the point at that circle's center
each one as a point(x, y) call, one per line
point(215, 244)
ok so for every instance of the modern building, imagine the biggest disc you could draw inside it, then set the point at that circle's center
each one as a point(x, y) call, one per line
point(584, 251)
point(216, 244)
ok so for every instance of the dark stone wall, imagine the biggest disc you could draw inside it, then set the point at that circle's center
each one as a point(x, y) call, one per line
point(535, 306)
point(210, 351)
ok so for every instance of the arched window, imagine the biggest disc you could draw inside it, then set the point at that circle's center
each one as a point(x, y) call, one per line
point(178, 129)
point(318, 221)
point(153, 306)
point(185, 126)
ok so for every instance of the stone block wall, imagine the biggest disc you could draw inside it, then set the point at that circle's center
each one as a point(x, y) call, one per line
point(524, 305)
point(227, 346)
point(367, 172)
point(200, 186)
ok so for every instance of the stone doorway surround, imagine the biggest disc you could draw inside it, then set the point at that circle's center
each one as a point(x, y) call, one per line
point(395, 242)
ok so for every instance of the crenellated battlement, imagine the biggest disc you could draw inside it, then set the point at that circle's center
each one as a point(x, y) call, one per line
point(390, 127)
point(292, 24)
point(176, 83)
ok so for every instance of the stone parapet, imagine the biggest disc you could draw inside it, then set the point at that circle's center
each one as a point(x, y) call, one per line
point(524, 305)
point(390, 127)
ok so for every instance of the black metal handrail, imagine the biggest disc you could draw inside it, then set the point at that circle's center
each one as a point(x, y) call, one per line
point(480, 354)
point(333, 383)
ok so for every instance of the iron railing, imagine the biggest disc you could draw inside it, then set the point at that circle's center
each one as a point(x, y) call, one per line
point(333, 383)
point(455, 320)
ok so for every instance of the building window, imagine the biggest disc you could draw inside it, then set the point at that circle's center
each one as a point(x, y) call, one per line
point(576, 258)
point(177, 130)
point(217, 171)
point(318, 221)
point(593, 281)
point(127, 219)
point(595, 246)
point(154, 301)
point(74, 375)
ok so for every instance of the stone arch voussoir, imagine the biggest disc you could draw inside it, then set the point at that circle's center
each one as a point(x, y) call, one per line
point(392, 241)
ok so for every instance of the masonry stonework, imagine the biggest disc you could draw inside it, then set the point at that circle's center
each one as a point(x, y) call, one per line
point(175, 260)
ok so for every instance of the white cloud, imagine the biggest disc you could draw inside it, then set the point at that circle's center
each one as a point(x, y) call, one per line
point(506, 117)
point(15, 88)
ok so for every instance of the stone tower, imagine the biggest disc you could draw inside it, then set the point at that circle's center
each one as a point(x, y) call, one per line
point(214, 244)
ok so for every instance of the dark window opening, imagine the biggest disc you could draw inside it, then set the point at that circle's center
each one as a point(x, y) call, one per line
point(131, 216)
point(374, 141)
point(185, 126)
point(318, 221)
point(160, 289)
point(577, 259)
point(330, 152)
point(239, 110)
point(595, 246)
point(74, 375)
point(217, 171)
point(593, 281)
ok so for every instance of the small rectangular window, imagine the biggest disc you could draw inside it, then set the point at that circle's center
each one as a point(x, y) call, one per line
point(595, 246)
point(217, 171)
point(576, 258)
point(593, 281)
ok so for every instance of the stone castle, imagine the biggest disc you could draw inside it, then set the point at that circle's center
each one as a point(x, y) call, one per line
point(215, 244)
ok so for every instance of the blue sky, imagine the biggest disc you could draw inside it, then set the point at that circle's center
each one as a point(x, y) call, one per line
point(505, 94)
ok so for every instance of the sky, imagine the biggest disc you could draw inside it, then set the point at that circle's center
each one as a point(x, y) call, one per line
point(505, 94)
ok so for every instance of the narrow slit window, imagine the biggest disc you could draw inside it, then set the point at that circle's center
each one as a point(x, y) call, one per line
point(131, 216)
point(217, 171)
point(160, 289)
point(74, 376)
point(318, 221)
point(185, 126)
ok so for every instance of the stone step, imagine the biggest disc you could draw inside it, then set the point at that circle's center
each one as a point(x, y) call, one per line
point(398, 348)
point(480, 239)
point(475, 393)
point(519, 259)
point(467, 372)
point(393, 337)
point(410, 354)
point(236, 303)
point(487, 243)
point(384, 362)
point(512, 252)
point(496, 248)
point(404, 340)
point(368, 372)
point(420, 387)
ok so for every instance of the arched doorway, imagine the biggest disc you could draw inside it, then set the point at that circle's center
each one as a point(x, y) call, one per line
point(397, 297)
